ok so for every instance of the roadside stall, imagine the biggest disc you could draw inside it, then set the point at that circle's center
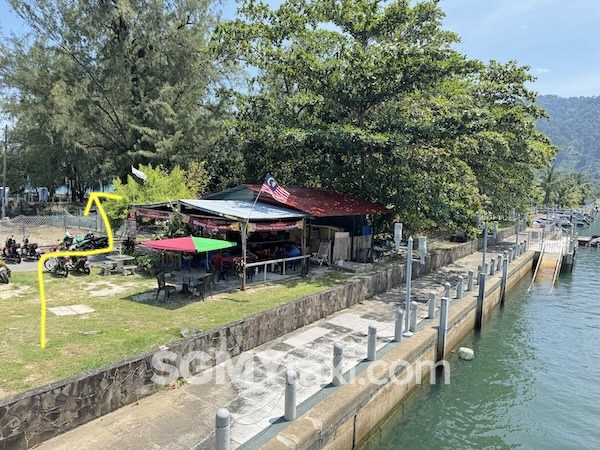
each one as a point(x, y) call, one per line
point(252, 225)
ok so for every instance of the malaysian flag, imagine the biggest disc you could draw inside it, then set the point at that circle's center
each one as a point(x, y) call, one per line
point(271, 186)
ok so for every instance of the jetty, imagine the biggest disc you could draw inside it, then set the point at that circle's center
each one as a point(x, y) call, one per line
point(555, 251)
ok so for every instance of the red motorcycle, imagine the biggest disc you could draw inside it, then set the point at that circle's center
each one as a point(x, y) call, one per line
point(59, 266)
point(12, 250)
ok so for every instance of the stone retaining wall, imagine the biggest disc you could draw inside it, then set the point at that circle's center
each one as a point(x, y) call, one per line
point(347, 418)
point(40, 414)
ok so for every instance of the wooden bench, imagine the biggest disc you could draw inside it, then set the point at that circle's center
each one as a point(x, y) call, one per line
point(129, 270)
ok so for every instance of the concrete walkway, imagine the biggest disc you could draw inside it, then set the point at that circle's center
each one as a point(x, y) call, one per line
point(252, 385)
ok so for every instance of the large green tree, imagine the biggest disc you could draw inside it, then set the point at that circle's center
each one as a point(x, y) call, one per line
point(331, 72)
point(501, 144)
point(110, 83)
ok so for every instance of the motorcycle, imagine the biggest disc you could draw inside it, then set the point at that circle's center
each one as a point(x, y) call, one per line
point(59, 266)
point(4, 273)
point(30, 251)
point(12, 250)
point(90, 242)
point(81, 264)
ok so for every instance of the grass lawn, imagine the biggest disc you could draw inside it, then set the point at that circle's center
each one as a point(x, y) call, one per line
point(121, 325)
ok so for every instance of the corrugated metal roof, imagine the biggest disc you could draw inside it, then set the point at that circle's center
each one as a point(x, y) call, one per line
point(313, 201)
point(242, 210)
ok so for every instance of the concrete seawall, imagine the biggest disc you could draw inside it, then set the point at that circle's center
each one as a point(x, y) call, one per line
point(38, 415)
point(348, 417)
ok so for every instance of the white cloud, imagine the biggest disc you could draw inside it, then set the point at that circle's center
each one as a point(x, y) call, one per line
point(541, 70)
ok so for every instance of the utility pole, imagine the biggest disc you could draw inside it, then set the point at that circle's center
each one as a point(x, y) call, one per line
point(4, 172)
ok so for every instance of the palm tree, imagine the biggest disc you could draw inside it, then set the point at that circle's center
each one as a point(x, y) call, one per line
point(566, 194)
point(583, 184)
point(548, 183)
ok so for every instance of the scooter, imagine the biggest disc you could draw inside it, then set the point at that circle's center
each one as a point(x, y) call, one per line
point(12, 250)
point(90, 242)
point(81, 264)
point(4, 273)
point(59, 266)
point(30, 251)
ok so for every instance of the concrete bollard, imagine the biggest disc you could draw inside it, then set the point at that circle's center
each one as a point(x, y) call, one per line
point(470, 281)
point(485, 270)
point(492, 267)
point(399, 325)
point(503, 281)
point(447, 289)
point(413, 316)
point(290, 395)
point(442, 330)
point(479, 305)
point(499, 265)
point(371, 343)
point(409, 250)
point(431, 306)
point(524, 245)
point(505, 253)
point(459, 288)
point(338, 357)
point(223, 431)
point(422, 248)
point(479, 269)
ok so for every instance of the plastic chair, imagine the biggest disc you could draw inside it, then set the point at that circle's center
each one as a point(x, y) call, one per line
point(203, 285)
point(163, 286)
point(322, 256)
point(207, 283)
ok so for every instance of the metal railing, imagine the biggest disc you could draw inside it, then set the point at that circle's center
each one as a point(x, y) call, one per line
point(550, 241)
point(275, 263)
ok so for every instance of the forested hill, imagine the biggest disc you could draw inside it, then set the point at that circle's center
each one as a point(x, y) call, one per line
point(574, 127)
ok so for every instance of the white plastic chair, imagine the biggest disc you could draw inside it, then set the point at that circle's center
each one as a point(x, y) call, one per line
point(322, 256)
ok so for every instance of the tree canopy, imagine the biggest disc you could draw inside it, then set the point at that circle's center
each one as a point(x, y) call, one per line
point(97, 86)
point(361, 96)
point(371, 98)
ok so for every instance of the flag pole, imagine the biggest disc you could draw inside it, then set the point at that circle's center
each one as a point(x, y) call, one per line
point(244, 231)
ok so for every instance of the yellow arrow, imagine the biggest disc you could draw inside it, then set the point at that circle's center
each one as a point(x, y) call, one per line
point(94, 198)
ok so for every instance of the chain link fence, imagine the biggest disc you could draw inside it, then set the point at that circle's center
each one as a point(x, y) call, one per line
point(47, 229)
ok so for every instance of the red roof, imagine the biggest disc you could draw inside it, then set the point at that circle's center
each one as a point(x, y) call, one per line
point(323, 203)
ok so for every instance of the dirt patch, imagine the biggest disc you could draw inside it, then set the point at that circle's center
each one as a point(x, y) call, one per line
point(104, 289)
point(42, 235)
point(11, 290)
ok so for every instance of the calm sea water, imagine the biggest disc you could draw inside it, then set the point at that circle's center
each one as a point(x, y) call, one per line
point(534, 382)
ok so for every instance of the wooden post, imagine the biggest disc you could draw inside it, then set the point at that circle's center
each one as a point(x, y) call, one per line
point(243, 230)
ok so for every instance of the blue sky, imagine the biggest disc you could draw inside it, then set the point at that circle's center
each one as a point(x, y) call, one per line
point(558, 39)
